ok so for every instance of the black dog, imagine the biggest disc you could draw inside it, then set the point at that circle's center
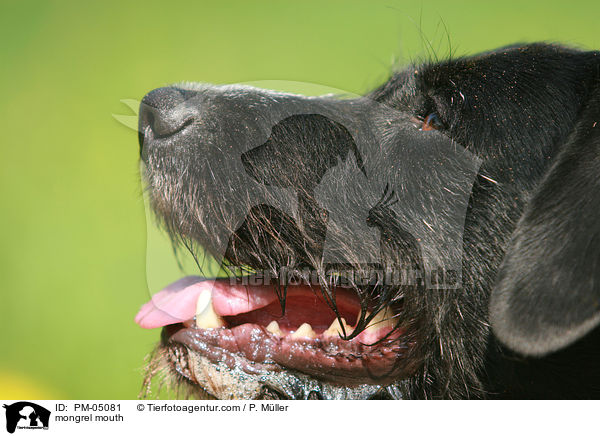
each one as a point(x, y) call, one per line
point(438, 238)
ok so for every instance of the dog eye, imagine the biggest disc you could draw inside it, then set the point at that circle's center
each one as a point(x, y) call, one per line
point(430, 122)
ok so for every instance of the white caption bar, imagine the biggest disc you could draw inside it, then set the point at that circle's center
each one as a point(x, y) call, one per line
point(299, 417)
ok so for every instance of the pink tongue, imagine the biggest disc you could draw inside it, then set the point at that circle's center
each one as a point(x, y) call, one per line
point(177, 302)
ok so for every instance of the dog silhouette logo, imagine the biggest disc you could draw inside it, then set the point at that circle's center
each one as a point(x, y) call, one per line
point(26, 415)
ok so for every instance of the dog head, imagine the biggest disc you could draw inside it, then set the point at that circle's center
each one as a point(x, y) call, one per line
point(366, 238)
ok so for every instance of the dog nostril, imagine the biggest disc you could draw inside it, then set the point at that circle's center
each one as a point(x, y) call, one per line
point(163, 113)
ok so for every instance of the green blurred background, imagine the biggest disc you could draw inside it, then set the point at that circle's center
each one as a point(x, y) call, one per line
point(72, 224)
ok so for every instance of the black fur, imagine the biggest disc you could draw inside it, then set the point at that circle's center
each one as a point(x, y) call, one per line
point(505, 191)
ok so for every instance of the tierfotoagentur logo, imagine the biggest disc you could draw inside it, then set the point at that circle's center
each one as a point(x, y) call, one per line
point(26, 415)
point(324, 172)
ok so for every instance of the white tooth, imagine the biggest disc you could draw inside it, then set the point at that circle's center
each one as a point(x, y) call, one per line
point(273, 327)
point(335, 329)
point(384, 318)
point(304, 331)
point(204, 300)
point(206, 318)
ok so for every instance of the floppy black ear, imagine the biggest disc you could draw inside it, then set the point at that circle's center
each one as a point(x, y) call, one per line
point(548, 290)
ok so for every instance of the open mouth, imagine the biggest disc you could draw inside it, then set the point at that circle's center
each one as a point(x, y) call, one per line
point(221, 325)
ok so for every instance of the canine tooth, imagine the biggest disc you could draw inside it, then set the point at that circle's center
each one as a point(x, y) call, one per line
point(335, 329)
point(304, 331)
point(384, 318)
point(206, 318)
point(360, 313)
point(273, 327)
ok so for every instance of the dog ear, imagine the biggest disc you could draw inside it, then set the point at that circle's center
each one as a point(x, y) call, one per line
point(548, 289)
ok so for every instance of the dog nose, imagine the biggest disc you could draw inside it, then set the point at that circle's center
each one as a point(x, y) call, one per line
point(163, 113)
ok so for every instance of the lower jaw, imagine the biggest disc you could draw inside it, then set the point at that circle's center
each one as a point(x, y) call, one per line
point(248, 362)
